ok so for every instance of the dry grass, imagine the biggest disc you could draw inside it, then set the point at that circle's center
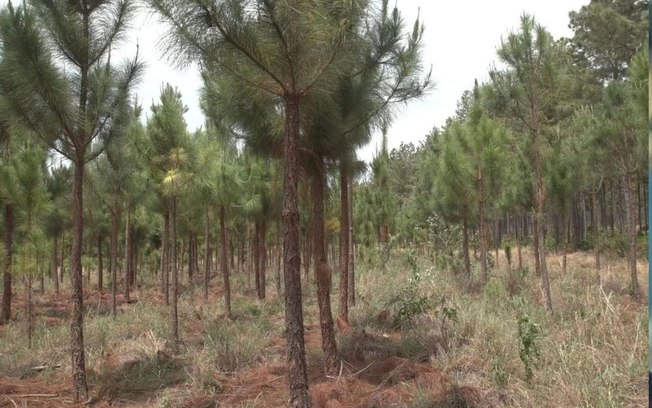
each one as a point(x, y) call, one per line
point(463, 352)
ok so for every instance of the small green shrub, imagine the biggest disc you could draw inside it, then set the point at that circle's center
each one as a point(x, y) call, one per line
point(528, 331)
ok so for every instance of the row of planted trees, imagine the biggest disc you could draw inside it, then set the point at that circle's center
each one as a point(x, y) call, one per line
point(291, 89)
point(551, 150)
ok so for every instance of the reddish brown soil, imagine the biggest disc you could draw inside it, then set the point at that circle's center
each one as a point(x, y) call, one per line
point(381, 381)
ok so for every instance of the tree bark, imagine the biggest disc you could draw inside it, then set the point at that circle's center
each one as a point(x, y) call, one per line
point(322, 270)
point(565, 226)
point(298, 380)
point(28, 307)
point(207, 253)
point(224, 265)
point(596, 232)
point(8, 239)
point(518, 244)
point(483, 233)
point(279, 251)
point(344, 244)
point(100, 264)
point(127, 254)
point(80, 388)
point(55, 263)
point(174, 317)
point(540, 222)
point(165, 263)
point(631, 231)
point(263, 258)
point(256, 260)
point(351, 250)
point(465, 248)
point(113, 249)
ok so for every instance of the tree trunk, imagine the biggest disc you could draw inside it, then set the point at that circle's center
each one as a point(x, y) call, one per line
point(279, 251)
point(165, 262)
point(344, 244)
point(483, 233)
point(540, 224)
point(113, 254)
point(638, 203)
point(207, 253)
point(127, 254)
point(596, 235)
point(28, 309)
point(351, 250)
point(8, 239)
point(133, 269)
point(263, 258)
point(465, 248)
point(631, 231)
point(174, 317)
point(565, 225)
point(298, 380)
point(256, 259)
point(80, 388)
point(100, 264)
point(322, 270)
point(62, 261)
point(518, 246)
point(224, 262)
point(55, 263)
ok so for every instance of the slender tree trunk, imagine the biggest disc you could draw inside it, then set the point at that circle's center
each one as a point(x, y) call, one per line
point(497, 243)
point(465, 248)
point(80, 389)
point(351, 249)
point(518, 245)
point(165, 263)
point(224, 262)
point(535, 242)
point(344, 244)
point(62, 258)
point(565, 226)
point(174, 317)
point(256, 251)
point(596, 232)
point(28, 309)
point(133, 269)
point(207, 252)
point(631, 231)
point(322, 270)
point(540, 222)
point(279, 251)
point(263, 258)
point(100, 264)
point(113, 262)
point(483, 233)
point(8, 244)
point(42, 280)
point(298, 380)
point(127, 253)
point(638, 203)
point(55, 263)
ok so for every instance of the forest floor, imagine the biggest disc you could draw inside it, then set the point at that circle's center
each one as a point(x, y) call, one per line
point(420, 336)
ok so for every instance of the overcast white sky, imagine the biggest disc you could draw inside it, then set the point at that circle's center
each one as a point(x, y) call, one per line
point(460, 41)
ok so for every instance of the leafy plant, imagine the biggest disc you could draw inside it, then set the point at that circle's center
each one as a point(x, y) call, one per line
point(528, 331)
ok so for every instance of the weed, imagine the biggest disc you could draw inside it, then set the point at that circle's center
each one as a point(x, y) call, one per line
point(528, 331)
